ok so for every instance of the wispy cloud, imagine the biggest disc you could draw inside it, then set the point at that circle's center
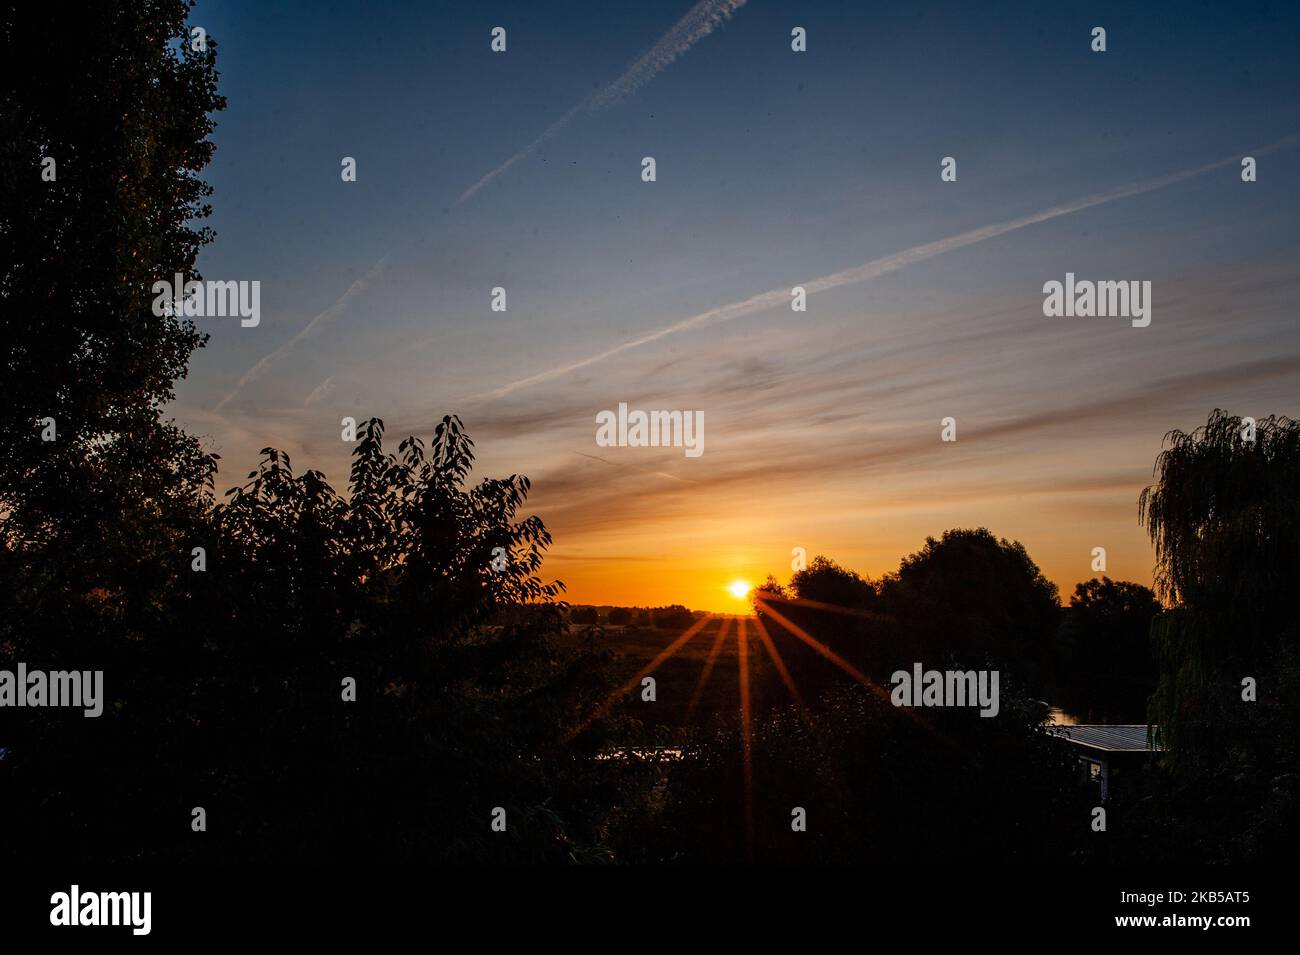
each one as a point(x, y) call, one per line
point(880, 266)
point(898, 463)
point(264, 364)
point(701, 20)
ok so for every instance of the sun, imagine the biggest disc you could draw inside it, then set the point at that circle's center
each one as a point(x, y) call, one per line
point(739, 589)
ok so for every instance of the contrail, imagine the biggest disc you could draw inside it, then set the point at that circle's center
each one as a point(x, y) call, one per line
point(663, 474)
point(264, 365)
point(881, 266)
point(701, 20)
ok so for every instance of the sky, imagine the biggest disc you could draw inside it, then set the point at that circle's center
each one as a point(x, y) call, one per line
point(822, 429)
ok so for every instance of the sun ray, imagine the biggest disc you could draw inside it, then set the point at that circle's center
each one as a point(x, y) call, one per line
point(712, 658)
point(820, 605)
point(856, 674)
point(747, 753)
point(824, 650)
point(645, 671)
point(784, 673)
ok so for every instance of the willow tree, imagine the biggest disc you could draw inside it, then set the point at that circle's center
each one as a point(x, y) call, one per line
point(1224, 516)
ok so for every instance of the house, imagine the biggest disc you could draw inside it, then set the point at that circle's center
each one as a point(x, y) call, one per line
point(1107, 752)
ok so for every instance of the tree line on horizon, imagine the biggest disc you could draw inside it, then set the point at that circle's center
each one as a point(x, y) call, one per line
point(668, 617)
point(969, 598)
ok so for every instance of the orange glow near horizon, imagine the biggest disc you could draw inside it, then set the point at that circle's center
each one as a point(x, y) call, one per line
point(643, 567)
point(700, 540)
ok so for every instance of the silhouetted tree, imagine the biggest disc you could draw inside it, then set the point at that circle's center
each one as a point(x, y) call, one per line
point(672, 617)
point(770, 589)
point(1224, 516)
point(125, 117)
point(328, 685)
point(584, 615)
point(831, 603)
point(1102, 660)
point(973, 597)
point(825, 581)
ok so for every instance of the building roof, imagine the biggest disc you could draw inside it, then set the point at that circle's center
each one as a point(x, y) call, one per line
point(1120, 738)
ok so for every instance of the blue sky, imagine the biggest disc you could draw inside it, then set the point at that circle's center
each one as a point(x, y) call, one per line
point(774, 169)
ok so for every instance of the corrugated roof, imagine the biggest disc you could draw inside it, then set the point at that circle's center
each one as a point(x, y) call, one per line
point(1120, 738)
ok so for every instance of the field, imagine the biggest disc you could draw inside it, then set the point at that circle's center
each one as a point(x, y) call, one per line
point(678, 678)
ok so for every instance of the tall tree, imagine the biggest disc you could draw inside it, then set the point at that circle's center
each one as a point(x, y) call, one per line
point(101, 152)
point(1224, 516)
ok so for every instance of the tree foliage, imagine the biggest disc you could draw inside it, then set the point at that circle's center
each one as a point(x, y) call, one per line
point(975, 598)
point(1224, 516)
point(228, 687)
point(825, 581)
point(126, 122)
point(1102, 665)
